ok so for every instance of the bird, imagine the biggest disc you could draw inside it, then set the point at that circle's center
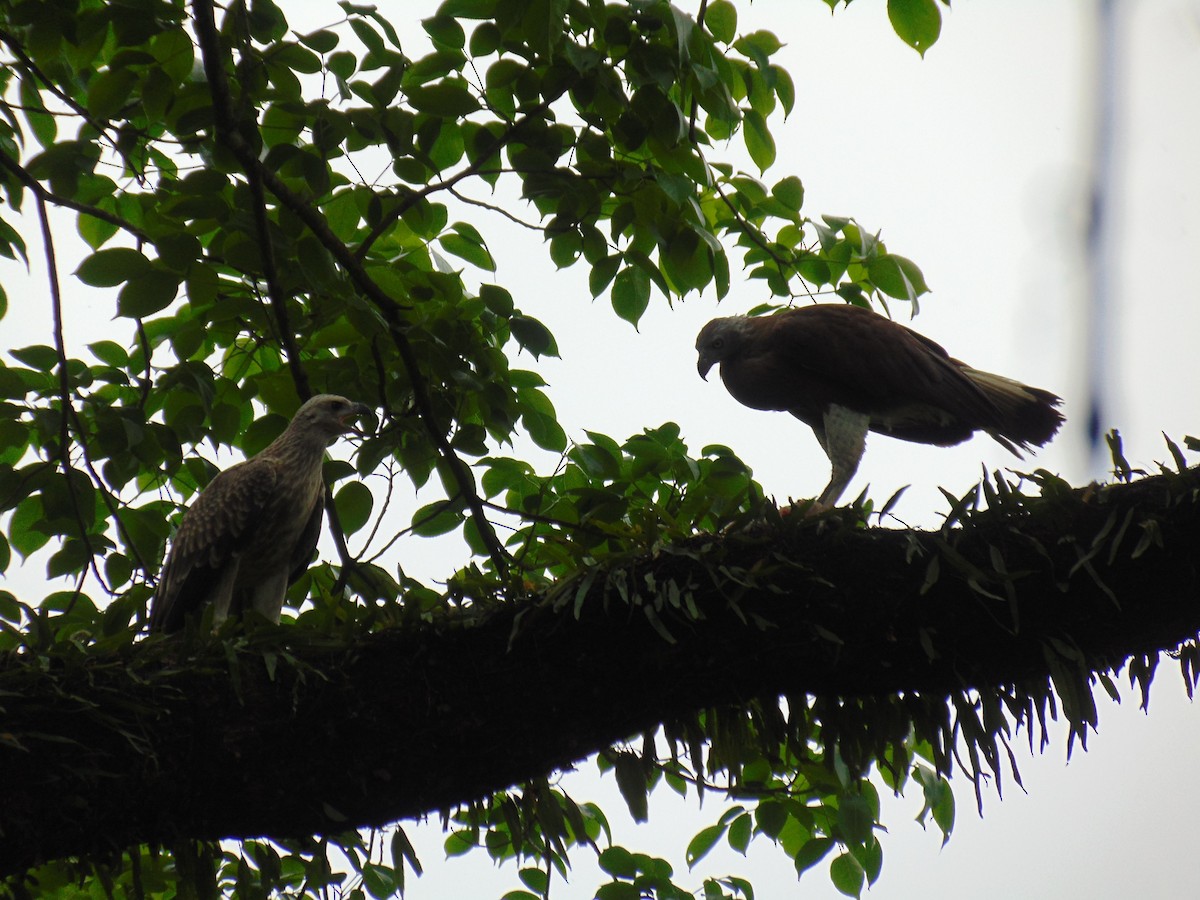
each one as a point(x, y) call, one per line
point(844, 370)
point(252, 531)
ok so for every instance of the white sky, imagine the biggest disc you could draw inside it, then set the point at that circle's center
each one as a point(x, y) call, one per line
point(973, 162)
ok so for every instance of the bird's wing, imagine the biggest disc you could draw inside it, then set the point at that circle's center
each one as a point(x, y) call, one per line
point(306, 543)
point(213, 529)
point(854, 358)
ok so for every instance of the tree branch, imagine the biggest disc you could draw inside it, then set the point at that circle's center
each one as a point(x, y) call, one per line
point(889, 631)
point(23, 176)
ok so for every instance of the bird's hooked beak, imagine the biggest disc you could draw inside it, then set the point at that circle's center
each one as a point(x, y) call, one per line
point(356, 411)
point(704, 364)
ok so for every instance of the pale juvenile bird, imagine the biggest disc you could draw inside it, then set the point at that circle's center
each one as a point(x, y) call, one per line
point(253, 530)
point(844, 371)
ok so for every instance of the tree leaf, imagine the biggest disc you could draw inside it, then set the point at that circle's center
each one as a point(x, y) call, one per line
point(917, 22)
point(847, 875)
point(812, 852)
point(721, 20)
point(631, 781)
point(533, 336)
point(451, 99)
point(354, 503)
point(147, 293)
point(702, 843)
point(434, 519)
point(116, 265)
point(631, 294)
point(759, 141)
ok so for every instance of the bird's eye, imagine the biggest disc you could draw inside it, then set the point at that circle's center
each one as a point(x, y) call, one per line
point(717, 343)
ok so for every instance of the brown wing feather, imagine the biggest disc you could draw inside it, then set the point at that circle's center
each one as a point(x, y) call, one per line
point(307, 542)
point(818, 356)
point(208, 539)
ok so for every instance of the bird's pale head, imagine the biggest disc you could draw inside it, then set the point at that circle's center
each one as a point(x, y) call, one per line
point(330, 415)
point(717, 341)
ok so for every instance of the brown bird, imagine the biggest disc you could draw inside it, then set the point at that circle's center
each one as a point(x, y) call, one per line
point(844, 371)
point(253, 530)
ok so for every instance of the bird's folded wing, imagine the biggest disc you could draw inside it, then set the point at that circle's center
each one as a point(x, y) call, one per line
point(873, 364)
point(220, 523)
point(302, 553)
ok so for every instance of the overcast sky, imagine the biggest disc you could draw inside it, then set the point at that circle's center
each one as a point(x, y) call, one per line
point(973, 162)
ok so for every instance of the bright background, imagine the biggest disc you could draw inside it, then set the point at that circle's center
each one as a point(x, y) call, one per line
point(976, 163)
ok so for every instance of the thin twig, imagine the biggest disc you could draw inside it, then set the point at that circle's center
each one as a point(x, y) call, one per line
point(490, 207)
point(695, 102)
point(40, 191)
point(442, 184)
point(67, 411)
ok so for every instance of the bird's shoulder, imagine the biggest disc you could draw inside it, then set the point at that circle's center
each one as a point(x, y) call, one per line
point(229, 505)
point(878, 345)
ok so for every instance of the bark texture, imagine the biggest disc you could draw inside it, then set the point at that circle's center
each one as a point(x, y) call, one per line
point(284, 736)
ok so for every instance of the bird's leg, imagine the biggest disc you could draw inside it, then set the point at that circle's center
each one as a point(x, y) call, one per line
point(269, 596)
point(222, 595)
point(843, 437)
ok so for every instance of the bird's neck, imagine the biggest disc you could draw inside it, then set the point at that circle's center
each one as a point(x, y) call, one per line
point(300, 447)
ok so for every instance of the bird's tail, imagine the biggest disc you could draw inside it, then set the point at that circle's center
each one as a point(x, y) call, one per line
point(1028, 416)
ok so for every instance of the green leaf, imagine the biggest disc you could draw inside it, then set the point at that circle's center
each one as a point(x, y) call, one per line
point(445, 31)
point(619, 890)
point(25, 527)
point(466, 243)
point(603, 273)
point(434, 519)
point(847, 875)
point(896, 276)
point(740, 832)
point(451, 99)
point(812, 852)
point(855, 819)
point(631, 781)
point(533, 336)
point(37, 356)
point(721, 20)
point(460, 842)
point(485, 40)
point(498, 300)
point(109, 91)
point(95, 231)
point(403, 851)
point(545, 431)
point(917, 22)
point(321, 41)
point(759, 142)
point(631, 294)
point(618, 862)
point(702, 843)
point(116, 265)
point(759, 45)
point(354, 503)
point(147, 294)
point(869, 857)
point(789, 192)
point(110, 352)
point(785, 89)
point(380, 881)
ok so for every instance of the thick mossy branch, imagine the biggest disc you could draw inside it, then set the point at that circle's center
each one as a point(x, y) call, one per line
point(955, 633)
